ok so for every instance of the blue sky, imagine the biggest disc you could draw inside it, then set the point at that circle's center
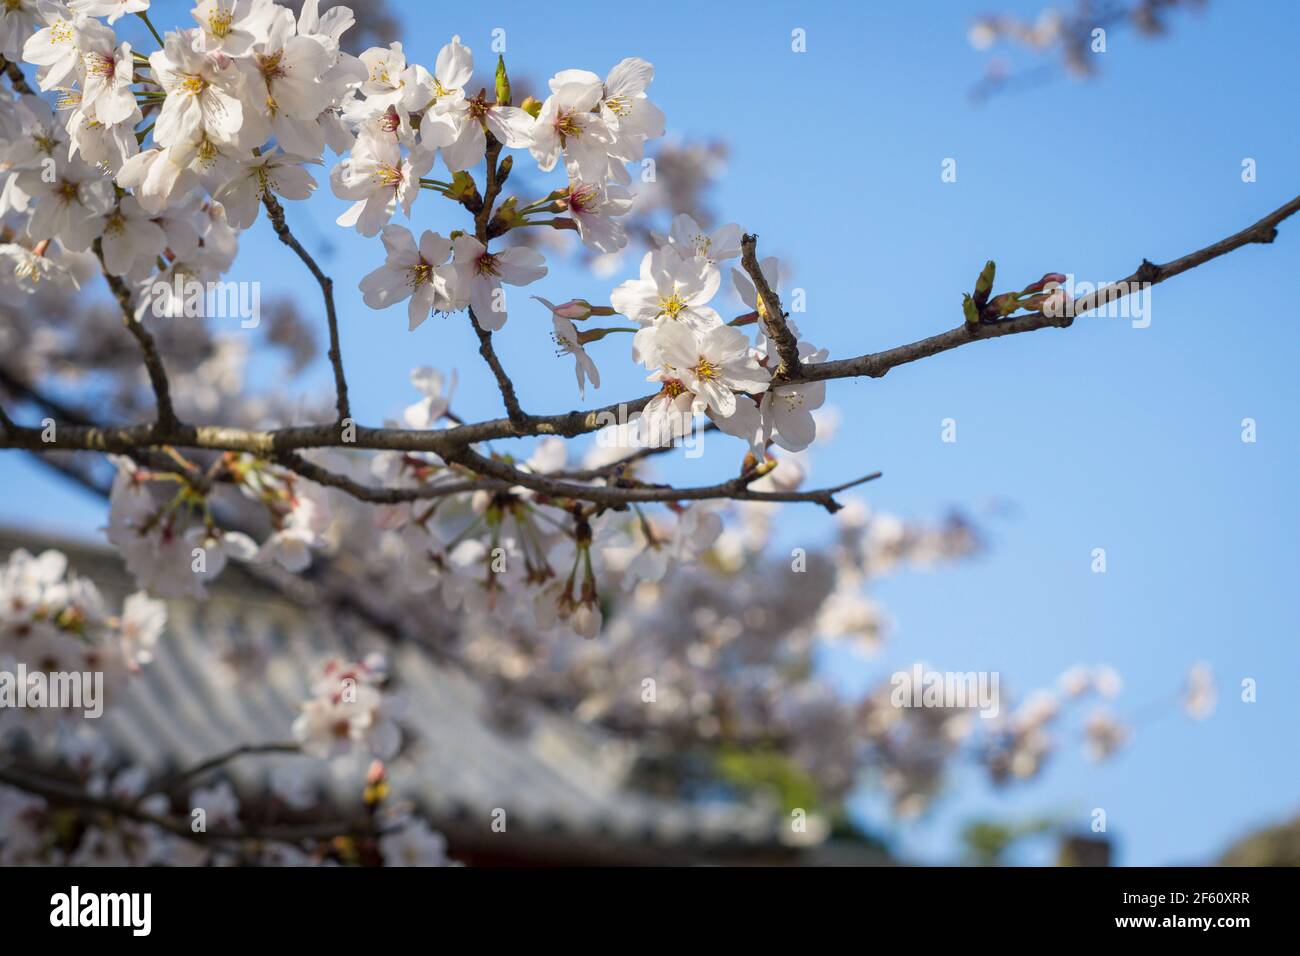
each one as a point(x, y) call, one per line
point(1100, 436)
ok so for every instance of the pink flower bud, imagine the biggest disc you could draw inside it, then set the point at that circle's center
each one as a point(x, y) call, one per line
point(573, 309)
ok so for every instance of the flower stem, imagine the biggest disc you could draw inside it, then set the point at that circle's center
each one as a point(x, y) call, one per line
point(144, 15)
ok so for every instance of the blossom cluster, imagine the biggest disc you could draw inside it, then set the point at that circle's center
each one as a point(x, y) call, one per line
point(169, 198)
point(162, 522)
point(54, 621)
point(36, 832)
point(149, 169)
point(349, 711)
point(244, 101)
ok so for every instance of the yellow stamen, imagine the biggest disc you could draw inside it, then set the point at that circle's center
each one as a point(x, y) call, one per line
point(671, 306)
point(707, 369)
point(219, 23)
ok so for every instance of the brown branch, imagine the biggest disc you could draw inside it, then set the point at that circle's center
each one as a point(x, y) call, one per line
point(153, 363)
point(735, 490)
point(61, 793)
point(452, 443)
point(170, 783)
point(383, 496)
point(1147, 274)
point(609, 470)
point(518, 417)
point(276, 213)
point(66, 413)
point(495, 179)
point(16, 78)
point(787, 346)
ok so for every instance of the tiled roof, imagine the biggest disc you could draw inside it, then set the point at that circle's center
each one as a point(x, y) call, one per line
point(562, 784)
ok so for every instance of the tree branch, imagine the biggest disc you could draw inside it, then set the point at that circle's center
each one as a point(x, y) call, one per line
point(16, 78)
point(61, 793)
point(735, 490)
point(276, 213)
point(153, 362)
point(452, 443)
point(384, 496)
point(787, 346)
point(171, 783)
point(495, 179)
point(877, 364)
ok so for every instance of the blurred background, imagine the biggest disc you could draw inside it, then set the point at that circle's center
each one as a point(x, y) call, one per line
point(1106, 435)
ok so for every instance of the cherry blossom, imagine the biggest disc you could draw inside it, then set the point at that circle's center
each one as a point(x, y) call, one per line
point(106, 91)
point(594, 209)
point(713, 365)
point(112, 10)
point(56, 47)
point(418, 273)
point(203, 100)
point(272, 173)
point(17, 21)
point(131, 238)
point(469, 120)
point(377, 178)
point(786, 410)
point(689, 240)
point(566, 125)
point(437, 397)
point(480, 274)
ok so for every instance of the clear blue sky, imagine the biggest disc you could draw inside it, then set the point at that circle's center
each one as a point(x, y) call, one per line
point(1100, 436)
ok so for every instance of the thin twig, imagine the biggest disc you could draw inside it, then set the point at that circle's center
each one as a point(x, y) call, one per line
point(276, 212)
point(492, 189)
point(738, 489)
point(384, 496)
point(172, 782)
point(143, 15)
point(153, 363)
point(877, 364)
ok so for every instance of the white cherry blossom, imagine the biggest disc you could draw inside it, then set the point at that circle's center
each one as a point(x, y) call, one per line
point(56, 47)
point(271, 173)
point(377, 179)
point(203, 99)
point(114, 10)
point(428, 411)
point(566, 125)
point(106, 91)
point(787, 409)
point(689, 240)
point(231, 27)
point(594, 209)
point(418, 273)
point(481, 274)
point(713, 365)
point(131, 238)
point(17, 20)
